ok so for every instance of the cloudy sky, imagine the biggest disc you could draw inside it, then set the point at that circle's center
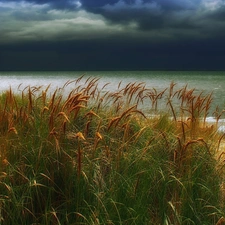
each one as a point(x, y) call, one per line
point(112, 35)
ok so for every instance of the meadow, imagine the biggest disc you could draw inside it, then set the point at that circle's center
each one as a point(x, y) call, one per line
point(90, 156)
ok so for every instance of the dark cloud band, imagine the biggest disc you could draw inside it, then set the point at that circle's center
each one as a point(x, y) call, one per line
point(114, 34)
point(59, 4)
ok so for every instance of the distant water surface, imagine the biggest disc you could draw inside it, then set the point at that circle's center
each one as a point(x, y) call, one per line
point(200, 80)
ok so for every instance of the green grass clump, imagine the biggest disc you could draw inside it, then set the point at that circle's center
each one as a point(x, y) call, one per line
point(94, 157)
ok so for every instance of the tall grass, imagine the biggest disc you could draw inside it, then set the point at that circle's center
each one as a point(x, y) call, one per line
point(92, 156)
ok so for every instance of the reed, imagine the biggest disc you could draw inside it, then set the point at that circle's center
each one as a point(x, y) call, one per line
point(92, 156)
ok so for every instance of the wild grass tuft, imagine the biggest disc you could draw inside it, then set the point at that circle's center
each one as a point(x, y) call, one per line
point(96, 157)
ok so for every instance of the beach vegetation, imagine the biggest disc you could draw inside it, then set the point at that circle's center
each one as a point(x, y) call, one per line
point(90, 156)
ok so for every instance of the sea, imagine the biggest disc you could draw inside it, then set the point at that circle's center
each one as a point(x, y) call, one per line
point(202, 81)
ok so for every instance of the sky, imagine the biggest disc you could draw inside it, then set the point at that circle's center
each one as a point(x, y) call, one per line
point(112, 35)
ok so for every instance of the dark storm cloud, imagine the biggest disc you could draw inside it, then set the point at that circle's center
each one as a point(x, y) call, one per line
point(144, 12)
point(165, 4)
point(218, 15)
point(112, 34)
point(59, 4)
point(177, 18)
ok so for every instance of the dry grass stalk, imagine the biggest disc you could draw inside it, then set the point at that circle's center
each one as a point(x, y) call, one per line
point(113, 120)
point(93, 92)
point(133, 90)
point(12, 129)
point(183, 130)
point(119, 84)
point(172, 84)
point(138, 134)
point(128, 110)
point(92, 84)
point(221, 221)
point(51, 121)
point(71, 101)
point(53, 133)
point(44, 109)
point(173, 111)
point(201, 140)
point(86, 128)
point(182, 154)
point(98, 138)
point(30, 103)
point(64, 127)
point(70, 82)
point(218, 116)
point(76, 110)
point(165, 138)
point(117, 119)
point(90, 114)
point(80, 137)
point(64, 116)
point(139, 112)
point(106, 84)
point(126, 127)
point(80, 78)
point(219, 141)
point(126, 88)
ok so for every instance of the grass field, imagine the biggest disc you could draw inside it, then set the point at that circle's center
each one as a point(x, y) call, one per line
point(92, 157)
